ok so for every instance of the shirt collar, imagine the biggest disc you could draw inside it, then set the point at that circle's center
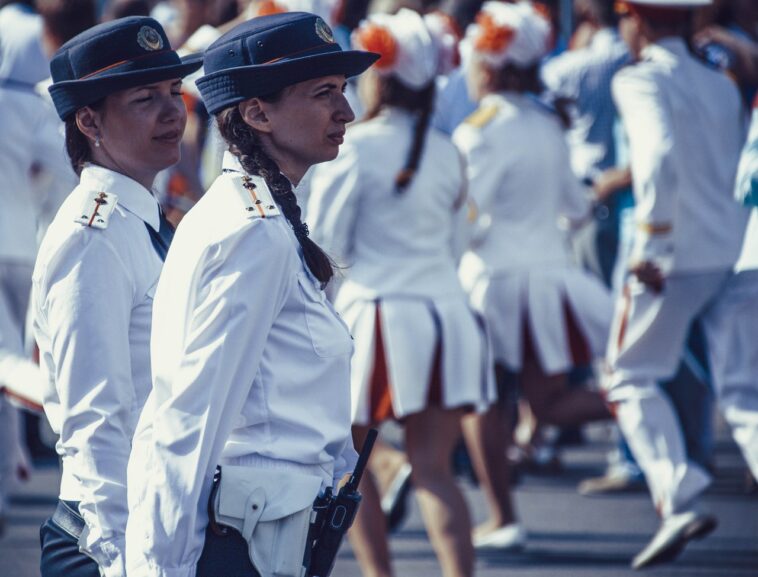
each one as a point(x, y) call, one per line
point(669, 48)
point(131, 195)
point(231, 162)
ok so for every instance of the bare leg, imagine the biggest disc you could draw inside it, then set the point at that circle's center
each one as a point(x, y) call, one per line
point(554, 403)
point(368, 535)
point(384, 464)
point(430, 438)
point(487, 437)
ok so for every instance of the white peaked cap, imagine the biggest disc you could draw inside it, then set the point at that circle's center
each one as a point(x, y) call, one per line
point(327, 9)
point(508, 33)
point(671, 3)
point(446, 36)
point(409, 51)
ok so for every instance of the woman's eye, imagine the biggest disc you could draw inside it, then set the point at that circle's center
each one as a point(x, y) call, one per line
point(143, 99)
point(179, 93)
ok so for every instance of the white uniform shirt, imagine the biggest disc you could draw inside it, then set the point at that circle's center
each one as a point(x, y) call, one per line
point(251, 367)
point(685, 133)
point(521, 180)
point(92, 299)
point(394, 244)
point(22, 56)
point(31, 136)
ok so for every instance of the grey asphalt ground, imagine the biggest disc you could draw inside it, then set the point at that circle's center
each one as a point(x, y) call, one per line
point(569, 535)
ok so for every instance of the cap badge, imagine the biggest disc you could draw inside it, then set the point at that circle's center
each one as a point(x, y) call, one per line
point(149, 39)
point(324, 32)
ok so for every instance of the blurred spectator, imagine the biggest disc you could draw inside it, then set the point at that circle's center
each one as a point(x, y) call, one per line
point(729, 42)
point(583, 76)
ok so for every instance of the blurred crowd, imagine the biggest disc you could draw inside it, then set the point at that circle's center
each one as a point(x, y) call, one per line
point(545, 393)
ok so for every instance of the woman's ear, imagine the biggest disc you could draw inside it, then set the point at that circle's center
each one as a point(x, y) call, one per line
point(254, 115)
point(88, 122)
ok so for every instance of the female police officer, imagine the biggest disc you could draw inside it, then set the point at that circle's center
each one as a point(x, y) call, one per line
point(251, 364)
point(117, 86)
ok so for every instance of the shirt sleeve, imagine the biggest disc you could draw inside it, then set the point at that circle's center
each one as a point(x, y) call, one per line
point(88, 307)
point(484, 171)
point(461, 232)
point(647, 121)
point(333, 205)
point(239, 287)
point(575, 200)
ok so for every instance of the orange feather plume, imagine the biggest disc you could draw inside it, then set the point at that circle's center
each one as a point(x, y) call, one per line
point(492, 38)
point(375, 38)
point(270, 7)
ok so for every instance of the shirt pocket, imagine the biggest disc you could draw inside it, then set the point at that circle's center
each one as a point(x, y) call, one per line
point(329, 334)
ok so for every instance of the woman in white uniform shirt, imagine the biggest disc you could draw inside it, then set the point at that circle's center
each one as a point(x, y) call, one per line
point(393, 207)
point(117, 86)
point(545, 315)
point(251, 364)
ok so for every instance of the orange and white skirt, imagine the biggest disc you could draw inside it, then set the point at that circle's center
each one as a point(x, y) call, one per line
point(562, 316)
point(412, 353)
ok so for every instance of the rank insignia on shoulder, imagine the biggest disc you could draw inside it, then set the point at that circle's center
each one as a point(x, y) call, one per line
point(482, 116)
point(97, 209)
point(255, 195)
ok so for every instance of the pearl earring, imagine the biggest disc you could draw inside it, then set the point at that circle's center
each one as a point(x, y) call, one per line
point(97, 142)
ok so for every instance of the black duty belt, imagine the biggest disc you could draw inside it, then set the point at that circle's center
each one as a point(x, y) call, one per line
point(67, 517)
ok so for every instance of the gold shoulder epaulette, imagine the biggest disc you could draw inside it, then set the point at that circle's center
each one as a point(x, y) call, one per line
point(97, 209)
point(482, 116)
point(257, 200)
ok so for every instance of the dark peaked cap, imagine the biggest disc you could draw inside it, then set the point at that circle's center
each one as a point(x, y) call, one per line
point(268, 53)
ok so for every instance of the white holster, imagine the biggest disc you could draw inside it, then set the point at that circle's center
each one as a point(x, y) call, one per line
point(272, 510)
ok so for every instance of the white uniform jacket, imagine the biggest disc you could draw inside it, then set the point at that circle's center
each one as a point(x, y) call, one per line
point(92, 299)
point(685, 136)
point(251, 367)
point(521, 180)
point(394, 244)
point(31, 138)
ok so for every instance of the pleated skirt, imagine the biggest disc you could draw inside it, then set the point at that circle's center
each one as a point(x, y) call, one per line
point(413, 353)
point(562, 316)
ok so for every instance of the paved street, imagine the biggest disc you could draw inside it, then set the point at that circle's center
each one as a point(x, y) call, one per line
point(569, 535)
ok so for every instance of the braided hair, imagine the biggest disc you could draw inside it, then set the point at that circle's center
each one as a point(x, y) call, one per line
point(246, 146)
point(420, 102)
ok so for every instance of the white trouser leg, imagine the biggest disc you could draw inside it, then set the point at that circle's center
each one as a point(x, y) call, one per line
point(731, 327)
point(645, 347)
point(651, 427)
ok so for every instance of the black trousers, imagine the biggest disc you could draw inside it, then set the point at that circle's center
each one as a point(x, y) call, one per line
point(225, 556)
point(222, 556)
point(61, 556)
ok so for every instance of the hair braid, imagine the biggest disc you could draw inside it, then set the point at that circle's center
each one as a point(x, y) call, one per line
point(420, 103)
point(244, 144)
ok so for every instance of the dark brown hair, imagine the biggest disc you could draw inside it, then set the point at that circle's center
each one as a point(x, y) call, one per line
point(516, 79)
point(77, 145)
point(246, 146)
point(420, 102)
point(64, 19)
